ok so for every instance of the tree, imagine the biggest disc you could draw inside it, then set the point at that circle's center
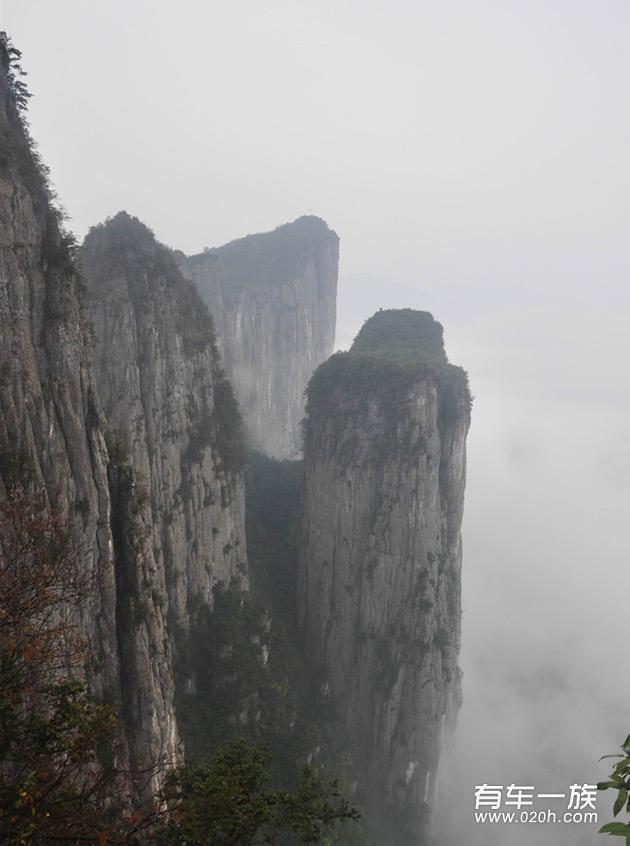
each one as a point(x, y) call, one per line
point(619, 780)
point(54, 784)
point(15, 73)
point(230, 801)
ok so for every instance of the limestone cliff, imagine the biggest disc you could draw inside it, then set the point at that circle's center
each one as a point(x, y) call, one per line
point(155, 491)
point(273, 297)
point(380, 556)
point(175, 435)
point(51, 432)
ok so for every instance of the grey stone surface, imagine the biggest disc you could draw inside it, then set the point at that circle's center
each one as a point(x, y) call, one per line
point(180, 502)
point(51, 428)
point(379, 582)
point(273, 297)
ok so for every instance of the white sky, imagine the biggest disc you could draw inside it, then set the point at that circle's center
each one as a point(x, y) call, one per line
point(474, 158)
point(418, 129)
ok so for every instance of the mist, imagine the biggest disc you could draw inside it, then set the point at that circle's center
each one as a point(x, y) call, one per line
point(545, 694)
point(473, 158)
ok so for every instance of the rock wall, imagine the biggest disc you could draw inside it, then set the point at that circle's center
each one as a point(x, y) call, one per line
point(273, 297)
point(380, 557)
point(154, 487)
point(177, 463)
point(123, 419)
point(51, 430)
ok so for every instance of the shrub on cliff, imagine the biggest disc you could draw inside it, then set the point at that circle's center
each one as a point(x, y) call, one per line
point(20, 157)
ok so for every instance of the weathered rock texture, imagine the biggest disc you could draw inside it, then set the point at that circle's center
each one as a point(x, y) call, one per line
point(273, 297)
point(380, 556)
point(176, 475)
point(156, 491)
point(51, 433)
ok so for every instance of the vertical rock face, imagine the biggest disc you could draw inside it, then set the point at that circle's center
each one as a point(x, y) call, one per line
point(273, 297)
point(177, 461)
point(380, 556)
point(155, 493)
point(51, 433)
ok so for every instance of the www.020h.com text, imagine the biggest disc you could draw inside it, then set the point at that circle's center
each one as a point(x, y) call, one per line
point(543, 816)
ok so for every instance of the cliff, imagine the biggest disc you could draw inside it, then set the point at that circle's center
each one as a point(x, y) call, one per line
point(52, 442)
point(154, 487)
point(121, 418)
point(177, 469)
point(273, 298)
point(380, 557)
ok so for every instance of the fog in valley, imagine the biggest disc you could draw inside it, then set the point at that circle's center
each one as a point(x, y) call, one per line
point(545, 692)
point(473, 158)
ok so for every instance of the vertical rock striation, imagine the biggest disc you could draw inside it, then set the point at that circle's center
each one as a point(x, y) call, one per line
point(154, 485)
point(51, 433)
point(380, 556)
point(273, 297)
point(177, 462)
point(155, 491)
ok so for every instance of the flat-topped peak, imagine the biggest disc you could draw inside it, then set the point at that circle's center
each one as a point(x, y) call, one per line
point(401, 335)
point(266, 259)
point(307, 225)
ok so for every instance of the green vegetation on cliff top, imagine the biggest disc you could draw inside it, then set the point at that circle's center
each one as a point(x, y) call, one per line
point(393, 349)
point(402, 336)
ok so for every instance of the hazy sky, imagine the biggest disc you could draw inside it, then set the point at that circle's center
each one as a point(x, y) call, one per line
point(475, 159)
point(431, 135)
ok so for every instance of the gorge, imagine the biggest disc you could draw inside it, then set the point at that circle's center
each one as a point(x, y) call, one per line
point(311, 604)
